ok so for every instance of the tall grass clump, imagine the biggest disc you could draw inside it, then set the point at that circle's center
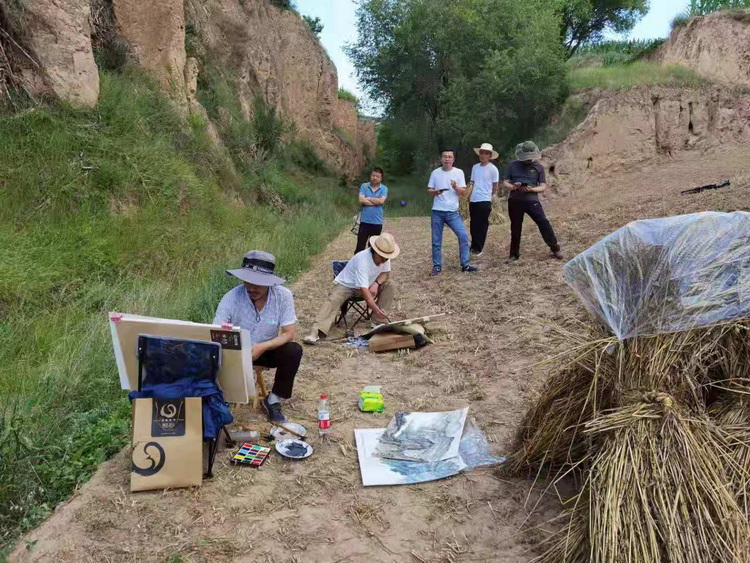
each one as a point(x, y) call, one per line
point(609, 53)
point(626, 76)
point(126, 207)
point(345, 94)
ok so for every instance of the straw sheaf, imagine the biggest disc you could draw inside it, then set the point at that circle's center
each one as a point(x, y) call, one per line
point(657, 430)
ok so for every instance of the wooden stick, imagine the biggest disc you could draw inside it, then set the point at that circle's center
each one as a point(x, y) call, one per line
point(286, 429)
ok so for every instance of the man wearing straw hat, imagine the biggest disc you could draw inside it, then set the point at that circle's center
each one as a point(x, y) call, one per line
point(484, 183)
point(266, 309)
point(366, 275)
point(525, 179)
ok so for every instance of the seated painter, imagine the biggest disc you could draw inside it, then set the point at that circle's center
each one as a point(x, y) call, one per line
point(366, 275)
point(264, 307)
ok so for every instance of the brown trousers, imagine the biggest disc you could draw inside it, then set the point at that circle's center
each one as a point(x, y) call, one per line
point(340, 294)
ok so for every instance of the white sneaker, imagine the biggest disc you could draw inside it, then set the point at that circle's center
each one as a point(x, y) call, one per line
point(311, 338)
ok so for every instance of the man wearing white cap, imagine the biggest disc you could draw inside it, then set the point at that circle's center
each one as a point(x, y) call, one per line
point(485, 179)
point(367, 275)
point(266, 309)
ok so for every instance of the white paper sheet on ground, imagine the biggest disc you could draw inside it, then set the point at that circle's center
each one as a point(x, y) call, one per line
point(423, 436)
point(378, 471)
point(236, 374)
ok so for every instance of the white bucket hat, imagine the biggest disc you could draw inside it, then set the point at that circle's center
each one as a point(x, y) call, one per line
point(487, 147)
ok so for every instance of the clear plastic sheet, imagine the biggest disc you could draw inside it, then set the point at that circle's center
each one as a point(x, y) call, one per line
point(666, 275)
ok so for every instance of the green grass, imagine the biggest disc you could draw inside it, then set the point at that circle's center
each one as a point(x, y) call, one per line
point(608, 53)
point(345, 94)
point(625, 76)
point(128, 208)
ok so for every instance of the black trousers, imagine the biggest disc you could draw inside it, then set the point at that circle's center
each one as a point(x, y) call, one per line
point(366, 230)
point(479, 213)
point(286, 360)
point(517, 208)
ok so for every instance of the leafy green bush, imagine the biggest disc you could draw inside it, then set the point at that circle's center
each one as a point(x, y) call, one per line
point(303, 155)
point(703, 7)
point(315, 25)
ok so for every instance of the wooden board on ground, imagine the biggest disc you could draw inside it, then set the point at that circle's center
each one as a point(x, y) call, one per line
point(236, 373)
point(389, 327)
point(391, 341)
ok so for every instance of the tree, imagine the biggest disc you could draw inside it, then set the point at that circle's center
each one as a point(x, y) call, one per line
point(584, 21)
point(315, 25)
point(459, 72)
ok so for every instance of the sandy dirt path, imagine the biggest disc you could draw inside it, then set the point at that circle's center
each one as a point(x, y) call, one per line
point(486, 357)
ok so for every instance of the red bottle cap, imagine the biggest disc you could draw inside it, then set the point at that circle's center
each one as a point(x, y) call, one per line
point(324, 396)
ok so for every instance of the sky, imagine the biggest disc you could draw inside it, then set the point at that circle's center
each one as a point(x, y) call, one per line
point(339, 27)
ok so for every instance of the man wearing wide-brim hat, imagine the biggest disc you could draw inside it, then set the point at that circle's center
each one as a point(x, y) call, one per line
point(485, 179)
point(525, 179)
point(265, 308)
point(366, 275)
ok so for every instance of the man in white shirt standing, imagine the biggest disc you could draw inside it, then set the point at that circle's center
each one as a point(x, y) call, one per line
point(446, 185)
point(366, 275)
point(485, 180)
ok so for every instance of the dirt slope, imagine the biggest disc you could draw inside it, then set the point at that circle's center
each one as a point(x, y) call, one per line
point(486, 356)
point(717, 46)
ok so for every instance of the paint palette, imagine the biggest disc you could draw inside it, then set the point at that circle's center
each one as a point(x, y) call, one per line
point(294, 449)
point(250, 454)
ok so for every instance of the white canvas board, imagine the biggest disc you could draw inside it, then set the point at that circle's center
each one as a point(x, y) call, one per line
point(236, 373)
point(423, 436)
point(378, 471)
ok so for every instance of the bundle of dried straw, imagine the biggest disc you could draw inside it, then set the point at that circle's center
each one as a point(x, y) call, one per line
point(657, 430)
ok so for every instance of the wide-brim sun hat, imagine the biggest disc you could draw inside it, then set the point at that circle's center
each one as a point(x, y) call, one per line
point(257, 269)
point(487, 147)
point(385, 245)
point(528, 151)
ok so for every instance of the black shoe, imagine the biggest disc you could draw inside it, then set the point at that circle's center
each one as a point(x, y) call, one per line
point(436, 270)
point(469, 268)
point(512, 260)
point(274, 411)
point(557, 255)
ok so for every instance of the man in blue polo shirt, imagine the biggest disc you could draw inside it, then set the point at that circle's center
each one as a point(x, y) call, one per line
point(372, 196)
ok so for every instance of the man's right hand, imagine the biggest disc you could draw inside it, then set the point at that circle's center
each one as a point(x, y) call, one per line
point(378, 312)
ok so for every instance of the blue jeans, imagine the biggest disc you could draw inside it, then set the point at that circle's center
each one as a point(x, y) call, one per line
point(454, 222)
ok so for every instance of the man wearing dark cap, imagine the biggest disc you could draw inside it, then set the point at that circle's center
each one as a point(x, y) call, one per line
point(265, 308)
point(525, 179)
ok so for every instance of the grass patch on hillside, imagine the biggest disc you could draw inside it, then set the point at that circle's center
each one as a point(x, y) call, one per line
point(608, 53)
point(625, 76)
point(128, 208)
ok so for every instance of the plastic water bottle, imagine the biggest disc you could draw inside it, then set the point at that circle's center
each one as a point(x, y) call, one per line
point(324, 415)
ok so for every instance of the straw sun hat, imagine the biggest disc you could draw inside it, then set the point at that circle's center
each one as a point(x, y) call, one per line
point(487, 147)
point(385, 245)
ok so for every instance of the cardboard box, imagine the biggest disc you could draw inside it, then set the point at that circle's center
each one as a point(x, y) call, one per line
point(383, 342)
point(167, 444)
